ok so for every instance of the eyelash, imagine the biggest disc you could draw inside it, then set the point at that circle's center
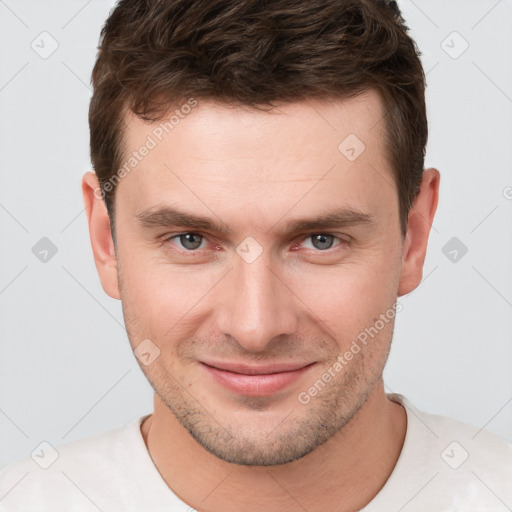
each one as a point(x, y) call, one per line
point(342, 242)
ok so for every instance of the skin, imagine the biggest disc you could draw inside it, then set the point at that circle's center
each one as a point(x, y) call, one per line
point(255, 171)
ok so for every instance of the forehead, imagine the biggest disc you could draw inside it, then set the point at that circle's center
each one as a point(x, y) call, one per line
point(210, 153)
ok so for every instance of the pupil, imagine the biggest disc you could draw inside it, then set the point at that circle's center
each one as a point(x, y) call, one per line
point(322, 241)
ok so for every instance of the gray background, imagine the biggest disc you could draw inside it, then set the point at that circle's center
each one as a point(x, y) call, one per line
point(66, 369)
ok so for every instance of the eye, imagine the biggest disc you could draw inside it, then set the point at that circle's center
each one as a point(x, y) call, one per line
point(323, 241)
point(188, 241)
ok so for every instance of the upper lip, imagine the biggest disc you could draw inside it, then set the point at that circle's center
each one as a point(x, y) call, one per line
point(247, 369)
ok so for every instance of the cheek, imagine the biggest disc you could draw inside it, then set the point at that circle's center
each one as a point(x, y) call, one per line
point(347, 299)
point(148, 292)
point(165, 301)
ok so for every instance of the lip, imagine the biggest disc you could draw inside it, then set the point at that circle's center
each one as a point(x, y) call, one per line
point(263, 380)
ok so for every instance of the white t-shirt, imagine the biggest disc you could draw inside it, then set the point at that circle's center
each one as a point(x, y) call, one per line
point(444, 465)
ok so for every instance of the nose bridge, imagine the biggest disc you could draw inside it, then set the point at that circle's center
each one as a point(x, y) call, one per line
point(255, 305)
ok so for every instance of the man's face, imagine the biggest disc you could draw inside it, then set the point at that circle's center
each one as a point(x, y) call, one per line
point(259, 293)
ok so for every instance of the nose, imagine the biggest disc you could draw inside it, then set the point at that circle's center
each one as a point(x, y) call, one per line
point(256, 305)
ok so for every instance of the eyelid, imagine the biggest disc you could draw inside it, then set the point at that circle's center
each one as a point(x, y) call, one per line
point(169, 237)
point(343, 238)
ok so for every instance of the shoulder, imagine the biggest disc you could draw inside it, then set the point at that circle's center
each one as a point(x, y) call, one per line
point(74, 471)
point(477, 442)
point(460, 465)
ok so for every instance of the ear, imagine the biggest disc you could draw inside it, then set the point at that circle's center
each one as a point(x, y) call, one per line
point(99, 231)
point(421, 216)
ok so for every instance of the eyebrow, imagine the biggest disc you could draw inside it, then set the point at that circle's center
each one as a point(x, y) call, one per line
point(168, 216)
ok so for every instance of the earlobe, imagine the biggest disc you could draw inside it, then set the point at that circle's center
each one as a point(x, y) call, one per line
point(101, 237)
point(421, 216)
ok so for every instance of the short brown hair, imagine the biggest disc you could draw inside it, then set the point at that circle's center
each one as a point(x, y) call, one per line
point(156, 53)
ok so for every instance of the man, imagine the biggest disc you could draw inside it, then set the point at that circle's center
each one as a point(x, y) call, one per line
point(258, 205)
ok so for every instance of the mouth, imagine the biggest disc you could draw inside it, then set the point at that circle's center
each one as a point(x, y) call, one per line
point(263, 380)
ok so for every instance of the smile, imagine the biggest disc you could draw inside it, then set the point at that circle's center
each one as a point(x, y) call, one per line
point(256, 381)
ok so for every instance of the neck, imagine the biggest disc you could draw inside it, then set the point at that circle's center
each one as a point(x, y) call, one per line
point(344, 474)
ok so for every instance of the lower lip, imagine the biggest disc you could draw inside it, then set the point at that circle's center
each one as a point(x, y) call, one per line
point(256, 385)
